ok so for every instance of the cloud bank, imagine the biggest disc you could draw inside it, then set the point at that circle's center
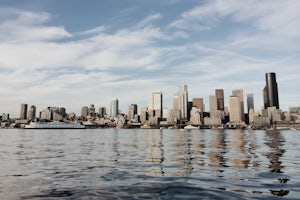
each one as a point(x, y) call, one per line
point(217, 44)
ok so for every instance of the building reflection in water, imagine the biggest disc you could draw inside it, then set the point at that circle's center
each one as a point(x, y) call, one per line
point(253, 146)
point(239, 159)
point(155, 153)
point(183, 153)
point(115, 150)
point(198, 153)
point(217, 149)
point(275, 142)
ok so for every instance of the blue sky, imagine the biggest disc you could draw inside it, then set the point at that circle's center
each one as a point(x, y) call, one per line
point(74, 53)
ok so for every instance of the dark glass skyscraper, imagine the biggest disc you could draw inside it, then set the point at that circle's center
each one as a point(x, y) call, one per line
point(270, 91)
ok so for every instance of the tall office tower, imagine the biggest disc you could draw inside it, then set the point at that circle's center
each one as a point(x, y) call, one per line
point(23, 113)
point(156, 103)
point(92, 111)
point(102, 111)
point(92, 108)
point(250, 102)
point(114, 108)
point(234, 109)
point(132, 111)
point(183, 101)
point(84, 112)
point(31, 114)
point(144, 114)
point(213, 106)
point(220, 99)
point(198, 103)
point(176, 101)
point(240, 94)
point(270, 91)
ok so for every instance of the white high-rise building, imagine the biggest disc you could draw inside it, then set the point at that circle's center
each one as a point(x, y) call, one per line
point(183, 101)
point(114, 108)
point(240, 94)
point(213, 106)
point(234, 109)
point(31, 114)
point(156, 103)
point(176, 101)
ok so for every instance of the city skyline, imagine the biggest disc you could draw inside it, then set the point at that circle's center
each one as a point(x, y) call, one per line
point(54, 56)
point(210, 105)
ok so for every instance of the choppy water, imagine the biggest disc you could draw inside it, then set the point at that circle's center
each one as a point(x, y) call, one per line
point(149, 164)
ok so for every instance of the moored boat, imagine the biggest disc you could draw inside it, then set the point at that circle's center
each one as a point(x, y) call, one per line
point(190, 127)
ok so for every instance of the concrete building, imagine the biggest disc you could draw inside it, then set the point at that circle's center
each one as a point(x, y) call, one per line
point(84, 112)
point(144, 114)
point(46, 114)
point(183, 101)
point(156, 103)
point(270, 92)
point(92, 110)
point(213, 105)
point(56, 116)
point(23, 112)
point(5, 117)
point(114, 108)
point(102, 112)
point(261, 121)
point(219, 93)
point(234, 109)
point(240, 94)
point(171, 115)
point(250, 102)
point(31, 115)
point(176, 105)
point(196, 116)
point(132, 111)
point(212, 121)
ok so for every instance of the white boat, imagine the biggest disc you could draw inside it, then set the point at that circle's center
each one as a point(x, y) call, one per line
point(190, 127)
point(54, 125)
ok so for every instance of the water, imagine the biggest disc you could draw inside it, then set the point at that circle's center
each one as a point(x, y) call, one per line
point(149, 164)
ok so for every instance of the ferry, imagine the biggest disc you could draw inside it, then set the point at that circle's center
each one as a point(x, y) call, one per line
point(54, 125)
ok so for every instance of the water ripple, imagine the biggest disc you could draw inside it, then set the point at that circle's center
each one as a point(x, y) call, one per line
point(149, 164)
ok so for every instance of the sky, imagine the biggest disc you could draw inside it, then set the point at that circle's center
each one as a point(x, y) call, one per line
point(73, 53)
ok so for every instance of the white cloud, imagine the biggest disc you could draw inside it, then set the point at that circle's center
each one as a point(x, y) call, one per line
point(51, 66)
point(21, 26)
point(273, 17)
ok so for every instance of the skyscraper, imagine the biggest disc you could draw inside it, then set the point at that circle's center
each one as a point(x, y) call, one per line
point(270, 92)
point(132, 111)
point(156, 103)
point(250, 102)
point(220, 99)
point(240, 94)
point(198, 103)
point(183, 101)
point(176, 101)
point(31, 114)
point(234, 109)
point(84, 112)
point(114, 108)
point(102, 111)
point(213, 107)
point(23, 113)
